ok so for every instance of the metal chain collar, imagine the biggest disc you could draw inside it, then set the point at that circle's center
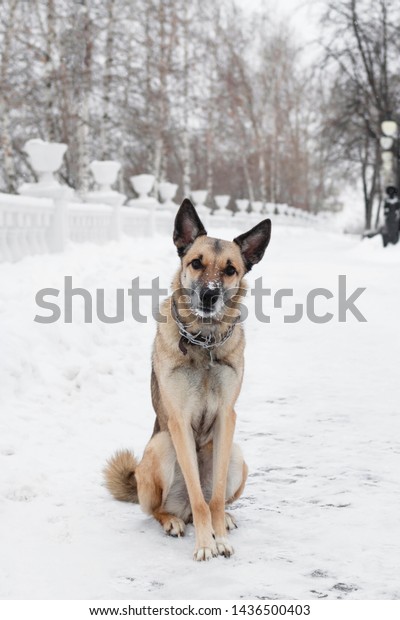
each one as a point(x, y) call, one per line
point(205, 342)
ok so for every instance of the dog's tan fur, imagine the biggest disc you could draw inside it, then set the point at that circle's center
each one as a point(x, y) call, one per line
point(190, 468)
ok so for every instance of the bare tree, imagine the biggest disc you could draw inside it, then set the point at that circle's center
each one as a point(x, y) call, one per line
point(105, 128)
point(9, 25)
point(195, 92)
point(363, 51)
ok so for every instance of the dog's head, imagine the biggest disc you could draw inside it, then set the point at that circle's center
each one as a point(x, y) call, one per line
point(212, 269)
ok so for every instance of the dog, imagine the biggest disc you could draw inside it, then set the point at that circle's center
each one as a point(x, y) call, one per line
point(191, 468)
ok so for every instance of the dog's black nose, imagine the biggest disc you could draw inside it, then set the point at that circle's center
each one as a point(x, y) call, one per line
point(209, 296)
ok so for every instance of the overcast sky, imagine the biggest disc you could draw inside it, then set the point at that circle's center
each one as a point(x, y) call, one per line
point(302, 15)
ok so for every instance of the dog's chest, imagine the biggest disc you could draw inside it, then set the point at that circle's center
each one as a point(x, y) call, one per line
point(211, 384)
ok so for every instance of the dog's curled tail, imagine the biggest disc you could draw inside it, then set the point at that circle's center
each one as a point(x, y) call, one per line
point(119, 474)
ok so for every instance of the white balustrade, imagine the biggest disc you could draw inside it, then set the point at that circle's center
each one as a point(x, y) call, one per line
point(105, 174)
point(89, 222)
point(256, 207)
point(143, 184)
point(222, 201)
point(46, 158)
point(30, 226)
point(25, 226)
point(199, 197)
point(242, 205)
point(47, 215)
point(167, 193)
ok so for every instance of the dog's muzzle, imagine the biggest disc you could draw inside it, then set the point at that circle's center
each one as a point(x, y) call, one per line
point(209, 298)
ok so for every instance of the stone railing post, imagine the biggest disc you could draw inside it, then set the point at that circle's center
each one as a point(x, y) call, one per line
point(222, 201)
point(105, 174)
point(61, 197)
point(142, 184)
point(46, 158)
point(199, 197)
point(167, 193)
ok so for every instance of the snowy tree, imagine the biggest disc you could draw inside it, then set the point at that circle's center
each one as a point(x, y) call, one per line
point(362, 51)
point(199, 93)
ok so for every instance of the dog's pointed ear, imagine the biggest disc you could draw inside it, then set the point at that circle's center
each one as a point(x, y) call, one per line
point(253, 243)
point(188, 226)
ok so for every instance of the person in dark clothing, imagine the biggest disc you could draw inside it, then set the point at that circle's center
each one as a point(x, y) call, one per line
point(391, 210)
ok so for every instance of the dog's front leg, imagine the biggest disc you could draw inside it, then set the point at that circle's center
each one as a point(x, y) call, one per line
point(183, 440)
point(222, 448)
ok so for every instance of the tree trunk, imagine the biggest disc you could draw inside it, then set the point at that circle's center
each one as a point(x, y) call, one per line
point(7, 149)
point(109, 57)
point(261, 168)
point(369, 185)
point(247, 176)
point(49, 72)
point(5, 134)
point(83, 119)
point(186, 180)
point(210, 156)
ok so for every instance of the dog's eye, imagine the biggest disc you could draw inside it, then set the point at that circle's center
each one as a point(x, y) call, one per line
point(230, 270)
point(196, 263)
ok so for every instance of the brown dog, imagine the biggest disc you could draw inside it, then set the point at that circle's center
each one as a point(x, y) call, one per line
point(191, 468)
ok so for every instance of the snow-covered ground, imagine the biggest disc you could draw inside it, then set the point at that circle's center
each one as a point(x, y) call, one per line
point(318, 420)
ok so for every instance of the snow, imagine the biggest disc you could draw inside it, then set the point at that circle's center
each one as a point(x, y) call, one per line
point(318, 421)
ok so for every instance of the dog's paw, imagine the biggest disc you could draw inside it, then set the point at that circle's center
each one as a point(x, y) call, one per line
point(230, 522)
point(202, 554)
point(174, 526)
point(224, 547)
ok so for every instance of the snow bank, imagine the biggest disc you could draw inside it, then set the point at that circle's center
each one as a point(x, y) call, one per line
point(317, 419)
